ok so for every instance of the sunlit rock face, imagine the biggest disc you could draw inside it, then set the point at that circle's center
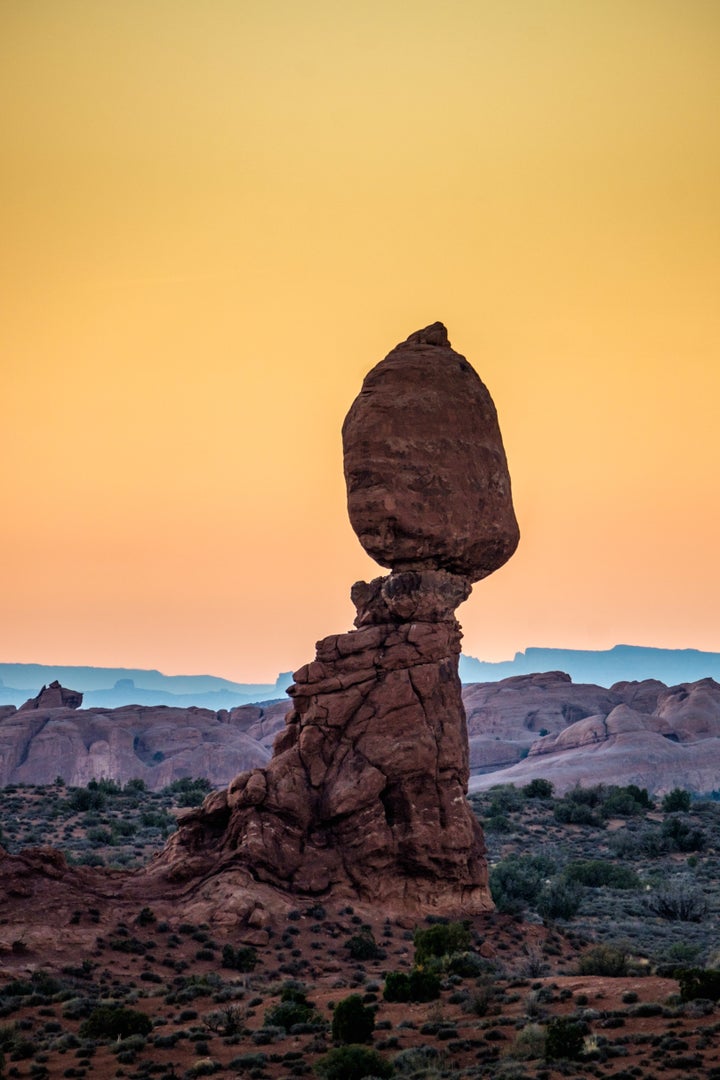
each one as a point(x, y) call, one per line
point(365, 792)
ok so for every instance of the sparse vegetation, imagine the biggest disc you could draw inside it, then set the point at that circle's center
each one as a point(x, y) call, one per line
point(491, 997)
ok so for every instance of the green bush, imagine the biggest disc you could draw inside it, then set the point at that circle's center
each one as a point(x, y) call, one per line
point(538, 789)
point(424, 985)
point(675, 800)
point(397, 986)
point(681, 836)
point(244, 958)
point(558, 900)
point(595, 873)
point(417, 986)
point(604, 960)
point(564, 1039)
point(528, 1044)
point(440, 940)
point(352, 1021)
point(363, 946)
point(626, 801)
point(569, 812)
point(516, 882)
point(115, 1022)
point(293, 1008)
point(353, 1063)
point(699, 983)
point(82, 799)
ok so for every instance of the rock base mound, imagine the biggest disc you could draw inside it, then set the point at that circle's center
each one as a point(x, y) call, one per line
point(365, 792)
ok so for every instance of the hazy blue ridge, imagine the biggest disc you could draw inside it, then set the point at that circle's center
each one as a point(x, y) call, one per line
point(112, 688)
point(115, 687)
point(603, 668)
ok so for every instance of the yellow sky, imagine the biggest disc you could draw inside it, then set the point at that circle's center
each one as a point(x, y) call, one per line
point(216, 216)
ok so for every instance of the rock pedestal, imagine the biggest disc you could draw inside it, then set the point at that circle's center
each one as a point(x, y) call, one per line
point(365, 793)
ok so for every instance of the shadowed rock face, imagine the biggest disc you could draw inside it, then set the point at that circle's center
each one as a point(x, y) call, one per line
point(365, 792)
point(427, 479)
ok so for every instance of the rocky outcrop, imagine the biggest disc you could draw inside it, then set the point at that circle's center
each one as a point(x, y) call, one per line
point(54, 696)
point(157, 745)
point(365, 792)
point(507, 717)
point(677, 744)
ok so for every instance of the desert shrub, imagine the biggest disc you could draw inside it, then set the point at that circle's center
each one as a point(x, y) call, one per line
point(699, 983)
point(558, 900)
point(681, 836)
point(417, 1060)
point(675, 800)
point(468, 965)
point(516, 882)
point(564, 1039)
point(529, 1043)
point(680, 900)
point(363, 946)
point(82, 799)
point(683, 953)
point(569, 812)
point(353, 1063)
point(293, 1008)
point(419, 985)
point(440, 940)
point(244, 958)
point(626, 801)
point(352, 1021)
point(188, 792)
point(397, 986)
point(606, 960)
point(203, 1067)
point(504, 798)
point(538, 789)
point(115, 1022)
point(648, 842)
point(595, 873)
point(424, 985)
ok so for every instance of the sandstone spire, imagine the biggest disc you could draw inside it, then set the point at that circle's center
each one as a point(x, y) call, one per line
point(365, 792)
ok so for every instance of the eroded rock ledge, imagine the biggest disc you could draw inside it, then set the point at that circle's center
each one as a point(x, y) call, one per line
point(365, 793)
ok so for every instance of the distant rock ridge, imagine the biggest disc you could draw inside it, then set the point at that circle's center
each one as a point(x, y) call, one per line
point(602, 667)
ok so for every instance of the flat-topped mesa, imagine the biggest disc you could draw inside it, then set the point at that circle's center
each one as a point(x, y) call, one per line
point(365, 793)
point(427, 479)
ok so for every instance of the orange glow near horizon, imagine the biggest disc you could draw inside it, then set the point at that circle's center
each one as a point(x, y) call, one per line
point(216, 218)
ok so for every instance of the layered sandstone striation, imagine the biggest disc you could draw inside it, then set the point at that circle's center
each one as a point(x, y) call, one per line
point(365, 792)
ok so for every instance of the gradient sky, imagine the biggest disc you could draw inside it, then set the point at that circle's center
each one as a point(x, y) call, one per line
point(217, 215)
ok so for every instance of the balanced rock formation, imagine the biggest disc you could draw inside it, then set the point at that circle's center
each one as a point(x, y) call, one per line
point(365, 792)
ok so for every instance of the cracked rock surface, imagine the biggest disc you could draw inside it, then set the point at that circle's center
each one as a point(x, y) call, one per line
point(365, 792)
